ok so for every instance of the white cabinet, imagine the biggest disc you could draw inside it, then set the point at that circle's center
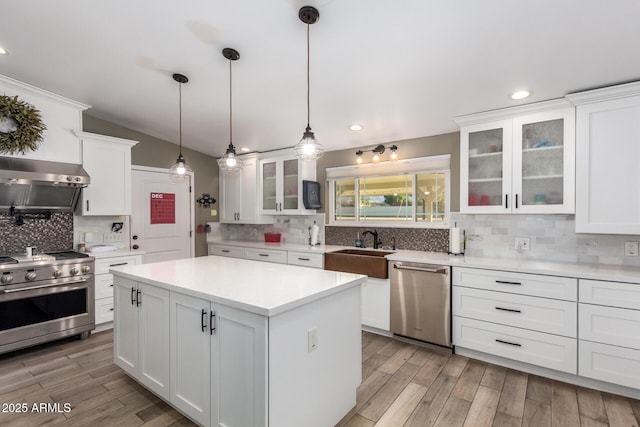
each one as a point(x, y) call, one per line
point(108, 162)
point(267, 255)
point(239, 195)
point(104, 284)
point(518, 160)
point(607, 153)
point(609, 343)
point(280, 256)
point(281, 184)
point(141, 341)
point(226, 250)
point(376, 303)
point(520, 316)
point(305, 259)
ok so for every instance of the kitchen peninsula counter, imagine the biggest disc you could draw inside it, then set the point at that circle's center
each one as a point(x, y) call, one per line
point(241, 343)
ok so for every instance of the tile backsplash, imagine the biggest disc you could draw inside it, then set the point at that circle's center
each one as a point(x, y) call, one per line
point(293, 229)
point(47, 235)
point(416, 239)
point(552, 238)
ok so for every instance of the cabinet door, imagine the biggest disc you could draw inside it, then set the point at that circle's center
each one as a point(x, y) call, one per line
point(544, 162)
point(290, 185)
point(269, 186)
point(190, 356)
point(125, 327)
point(108, 162)
point(376, 303)
point(485, 168)
point(153, 326)
point(248, 194)
point(230, 189)
point(607, 173)
point(239, 369)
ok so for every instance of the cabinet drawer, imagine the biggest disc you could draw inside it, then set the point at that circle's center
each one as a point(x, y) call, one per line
point(615, 294)
point(536, 285)
point(610, 363)
point(615, 326)
point(230, 251)
point(538, 314)
point(306, 259)
point(104, 286)
point(104, 264)
point(104, 310)
point(268, 255)
point(536, 348)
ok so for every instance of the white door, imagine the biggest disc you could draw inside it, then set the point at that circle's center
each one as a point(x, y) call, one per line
point(162, 215)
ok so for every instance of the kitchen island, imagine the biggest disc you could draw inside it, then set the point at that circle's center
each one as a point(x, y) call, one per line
point(241, 343)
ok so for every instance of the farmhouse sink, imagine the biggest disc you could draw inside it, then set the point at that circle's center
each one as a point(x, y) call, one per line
point(360, 261)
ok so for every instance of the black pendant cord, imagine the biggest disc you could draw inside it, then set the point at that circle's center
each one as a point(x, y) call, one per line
point(180, 115)
point(308, 81)
point(230, 106)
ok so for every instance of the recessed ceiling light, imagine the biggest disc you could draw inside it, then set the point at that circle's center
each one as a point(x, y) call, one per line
point(245, 149)
point(3, 51)
point(521, 94)
point(356, 127)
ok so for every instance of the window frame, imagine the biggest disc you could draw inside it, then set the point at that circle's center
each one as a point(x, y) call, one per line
point(426, 165)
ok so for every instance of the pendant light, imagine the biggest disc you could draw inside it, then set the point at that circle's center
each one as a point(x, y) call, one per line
point(230, 163)
point(180, 170)
point(308, 148)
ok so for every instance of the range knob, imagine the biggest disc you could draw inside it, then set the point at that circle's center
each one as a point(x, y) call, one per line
point(30, 276)
point(74, 271)
point(85, 269)
point(6, 278)
point(69, 178)
point(57, 273)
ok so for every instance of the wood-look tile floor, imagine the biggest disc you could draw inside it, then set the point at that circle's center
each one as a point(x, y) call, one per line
point(403, 385)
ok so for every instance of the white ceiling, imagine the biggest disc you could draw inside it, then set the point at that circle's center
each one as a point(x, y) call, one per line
point(401, 68)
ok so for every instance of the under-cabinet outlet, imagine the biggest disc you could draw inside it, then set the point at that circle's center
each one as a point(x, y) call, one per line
point(312, 338)
point(112, 237)
point(630, 248)
point(523, 244)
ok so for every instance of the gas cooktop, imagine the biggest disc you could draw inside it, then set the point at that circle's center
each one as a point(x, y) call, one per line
point(47, 257)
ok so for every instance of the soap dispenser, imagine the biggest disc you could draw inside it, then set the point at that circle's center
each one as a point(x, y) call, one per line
point(358, 241)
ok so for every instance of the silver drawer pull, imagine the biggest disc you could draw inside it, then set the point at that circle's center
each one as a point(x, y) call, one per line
point(503, 282)
point(511, 310)
point(507, 342)
point(304, 259)
point(263, 254)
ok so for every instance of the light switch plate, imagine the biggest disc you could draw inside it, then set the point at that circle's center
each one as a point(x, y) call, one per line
point(630, 248)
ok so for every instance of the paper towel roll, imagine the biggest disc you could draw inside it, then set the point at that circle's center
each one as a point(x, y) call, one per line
point(455, 240)
point(315, 230)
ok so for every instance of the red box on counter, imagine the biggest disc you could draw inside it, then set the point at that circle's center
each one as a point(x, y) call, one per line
point(272, 237)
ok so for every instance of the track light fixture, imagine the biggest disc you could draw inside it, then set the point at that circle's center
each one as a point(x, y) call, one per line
point(377, 152)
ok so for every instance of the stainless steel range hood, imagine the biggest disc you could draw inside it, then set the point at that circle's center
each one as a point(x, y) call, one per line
point(36, 185)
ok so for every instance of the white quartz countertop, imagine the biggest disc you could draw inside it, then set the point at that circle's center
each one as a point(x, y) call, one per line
point(521, 265)
point(259, 287)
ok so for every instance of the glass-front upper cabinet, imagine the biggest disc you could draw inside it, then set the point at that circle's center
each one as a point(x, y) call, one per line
point(519, 164)
point(281, 184)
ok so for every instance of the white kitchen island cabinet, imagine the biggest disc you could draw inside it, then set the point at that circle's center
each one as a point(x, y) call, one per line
point(253, 343)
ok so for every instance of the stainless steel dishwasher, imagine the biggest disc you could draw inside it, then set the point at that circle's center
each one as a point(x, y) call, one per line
point(421, 302)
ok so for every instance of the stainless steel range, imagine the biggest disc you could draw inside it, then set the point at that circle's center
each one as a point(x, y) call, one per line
point(45, 297)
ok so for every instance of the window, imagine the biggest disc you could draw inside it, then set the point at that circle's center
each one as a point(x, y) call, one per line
point(383, 195)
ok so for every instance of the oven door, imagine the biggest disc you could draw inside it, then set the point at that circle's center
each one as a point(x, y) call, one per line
point(44, 311)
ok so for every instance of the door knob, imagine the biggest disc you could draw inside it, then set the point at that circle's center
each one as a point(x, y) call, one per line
point(135, 237)
point(135, 247)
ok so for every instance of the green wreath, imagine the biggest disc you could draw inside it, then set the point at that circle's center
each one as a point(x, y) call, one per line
point(21, 126)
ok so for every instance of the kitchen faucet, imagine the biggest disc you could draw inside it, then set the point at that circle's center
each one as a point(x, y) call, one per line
point(374, 233)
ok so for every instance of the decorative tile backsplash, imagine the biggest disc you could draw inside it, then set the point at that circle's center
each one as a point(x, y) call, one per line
point(293, 229)
point(416, 239)
point(47, 235)
point(552, 238)
point(97, 227)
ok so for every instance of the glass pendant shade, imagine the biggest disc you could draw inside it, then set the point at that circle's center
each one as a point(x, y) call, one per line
point(180, 168)
point(230, 162)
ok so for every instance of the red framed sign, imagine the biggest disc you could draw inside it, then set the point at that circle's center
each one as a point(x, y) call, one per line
point(162, 208)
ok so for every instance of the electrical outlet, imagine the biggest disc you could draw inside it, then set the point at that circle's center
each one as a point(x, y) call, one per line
point(112, 237)
point(523, 244)
point(630, 248)
point(312, 339)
